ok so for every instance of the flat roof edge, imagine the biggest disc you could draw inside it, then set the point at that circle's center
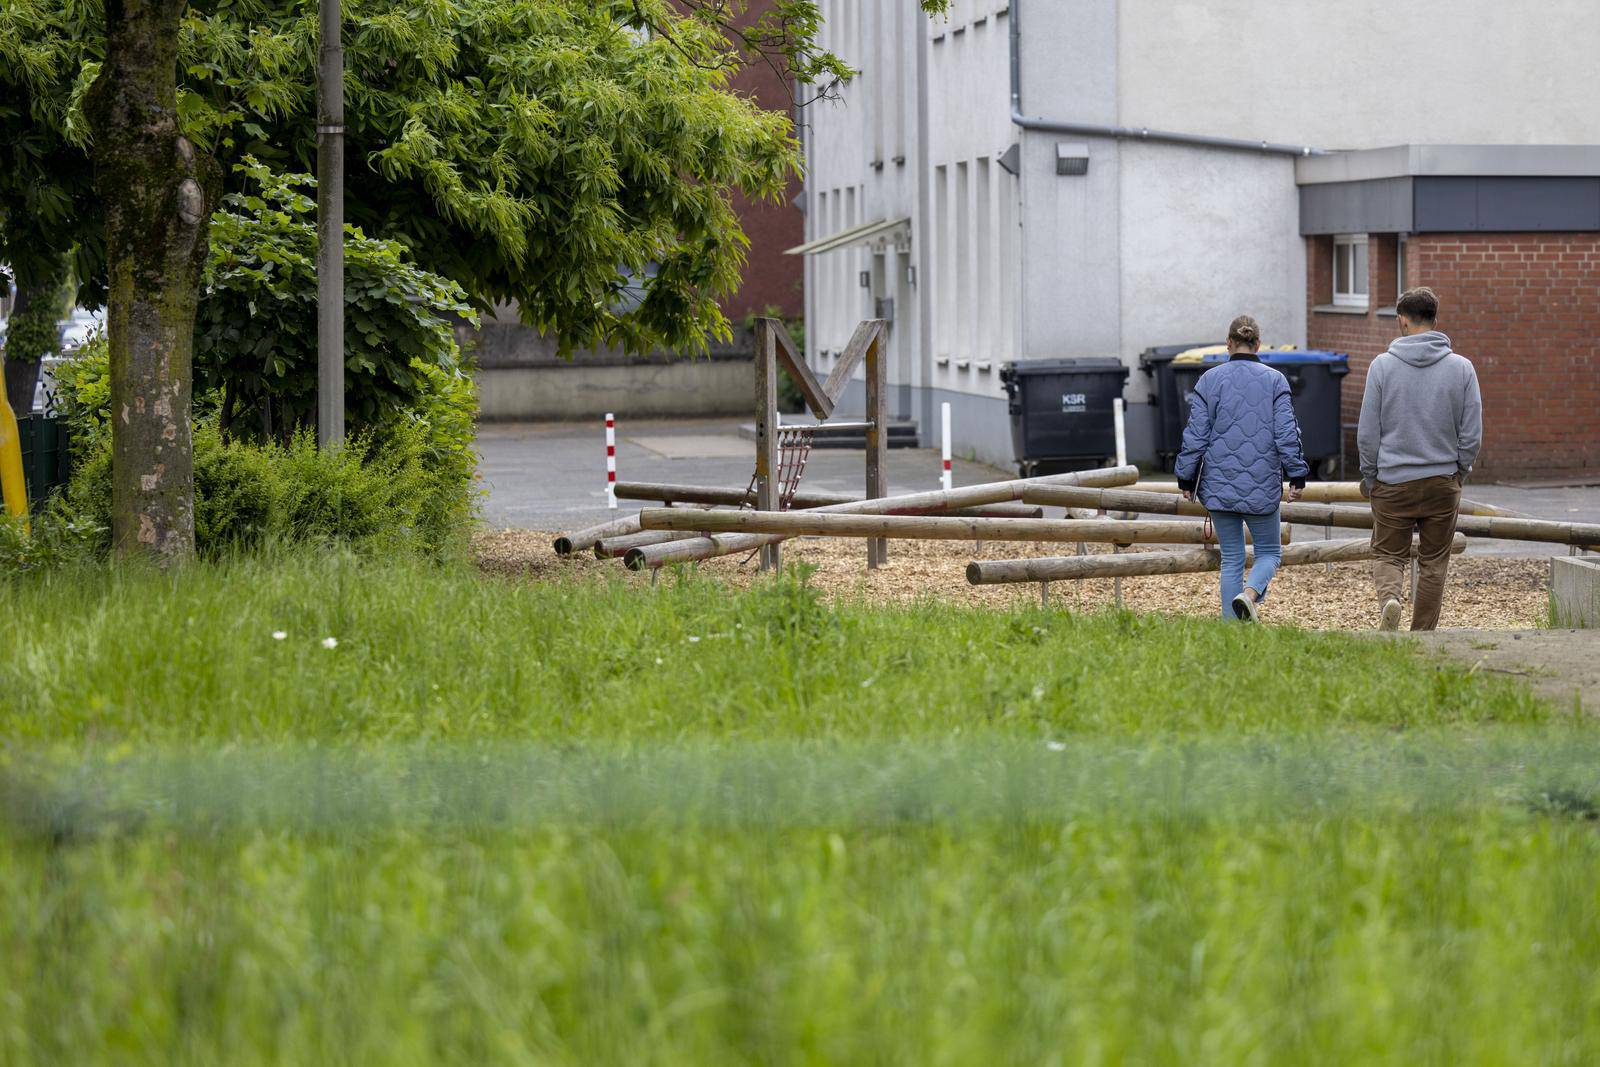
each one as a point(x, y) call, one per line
point(1471, 161)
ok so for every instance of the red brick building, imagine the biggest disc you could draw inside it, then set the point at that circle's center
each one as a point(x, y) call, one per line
point(1509, 237)
point(771, 279)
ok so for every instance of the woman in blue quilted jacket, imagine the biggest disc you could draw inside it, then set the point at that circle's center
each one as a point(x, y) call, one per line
point(1242, 441)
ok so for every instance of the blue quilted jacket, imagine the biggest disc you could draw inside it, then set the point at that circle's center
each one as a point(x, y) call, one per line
point(1242, 440)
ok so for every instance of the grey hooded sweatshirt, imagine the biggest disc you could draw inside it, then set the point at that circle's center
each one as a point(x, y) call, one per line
point(1421, 416)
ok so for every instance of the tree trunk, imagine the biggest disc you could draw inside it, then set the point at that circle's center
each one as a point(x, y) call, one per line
point(31, 335)
point(158, 195)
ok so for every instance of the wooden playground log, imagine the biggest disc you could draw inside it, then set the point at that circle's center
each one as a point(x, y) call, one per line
point(803, 499)
point(966, 496)
point(613, 547)
point(923, 527)
point(1347, 517)
point(579, 540)
point(667, 493)
point(592, 536)
point(1344, 493)
point(1141, 564)
point(1314, 492)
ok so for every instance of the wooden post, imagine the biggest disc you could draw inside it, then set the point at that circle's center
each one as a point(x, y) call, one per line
point(1116, 583)
point(877, 438)
point(767, 432)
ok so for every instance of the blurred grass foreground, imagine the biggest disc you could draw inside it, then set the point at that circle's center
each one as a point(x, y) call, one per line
point(324, 808)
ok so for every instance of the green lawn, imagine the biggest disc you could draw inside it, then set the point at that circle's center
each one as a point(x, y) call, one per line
point(437, 654)
point(580, 824)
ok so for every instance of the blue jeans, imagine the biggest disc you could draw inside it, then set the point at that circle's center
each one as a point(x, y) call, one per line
point(1265, 532)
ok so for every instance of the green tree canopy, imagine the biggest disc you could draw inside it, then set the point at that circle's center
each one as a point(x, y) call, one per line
point(542, 151)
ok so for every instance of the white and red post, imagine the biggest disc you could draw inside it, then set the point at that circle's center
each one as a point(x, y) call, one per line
point(944, 434)
point(611, 460)
point(1121, 431)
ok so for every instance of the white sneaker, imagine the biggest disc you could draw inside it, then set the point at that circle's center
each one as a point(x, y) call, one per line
point(1244, 609)
point(1390, 621)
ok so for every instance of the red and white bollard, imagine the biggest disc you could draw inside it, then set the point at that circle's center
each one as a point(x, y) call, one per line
point(611, 460)
point(944, 433)
point(1121, 431)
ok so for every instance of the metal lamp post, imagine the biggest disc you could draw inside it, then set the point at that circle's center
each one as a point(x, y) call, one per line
point(330, 228)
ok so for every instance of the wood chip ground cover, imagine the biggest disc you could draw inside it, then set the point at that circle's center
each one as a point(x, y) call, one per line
point(1484, 592)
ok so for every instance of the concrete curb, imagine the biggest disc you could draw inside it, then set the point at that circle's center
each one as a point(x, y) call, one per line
point(1575, 591)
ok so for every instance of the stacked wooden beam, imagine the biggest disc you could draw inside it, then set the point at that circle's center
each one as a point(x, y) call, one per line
point(935, 528)
point(1135, 564)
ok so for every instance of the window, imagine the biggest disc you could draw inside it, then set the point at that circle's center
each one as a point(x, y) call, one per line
point(1399, 267)
point(1350, 270)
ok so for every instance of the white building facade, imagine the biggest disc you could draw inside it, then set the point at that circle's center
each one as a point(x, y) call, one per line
point(1036, 179)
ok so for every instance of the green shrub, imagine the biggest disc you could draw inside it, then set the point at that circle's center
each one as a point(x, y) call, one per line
point(83, 393)
point(255, 346)
point(237, 492)
point(387, 491)
point(51, 538)
point(406, 482)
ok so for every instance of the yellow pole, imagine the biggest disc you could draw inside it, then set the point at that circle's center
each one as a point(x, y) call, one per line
point(12, 486)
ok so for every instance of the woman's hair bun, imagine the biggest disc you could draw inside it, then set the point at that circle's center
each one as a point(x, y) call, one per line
point(1245, 330)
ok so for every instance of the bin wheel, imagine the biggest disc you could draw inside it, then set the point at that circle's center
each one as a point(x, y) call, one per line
point(1328, 469)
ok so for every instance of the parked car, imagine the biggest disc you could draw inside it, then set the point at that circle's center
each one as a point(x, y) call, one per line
point(78, 327)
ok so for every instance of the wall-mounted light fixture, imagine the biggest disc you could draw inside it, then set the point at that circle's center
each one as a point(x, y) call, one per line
point(866, 279)
point(1072, 159)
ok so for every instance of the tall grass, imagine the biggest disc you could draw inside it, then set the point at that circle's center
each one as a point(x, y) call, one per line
point(428, 652)
point(572, 823)
point(1327, 940)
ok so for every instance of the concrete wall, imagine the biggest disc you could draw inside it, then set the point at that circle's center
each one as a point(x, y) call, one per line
point(973, 220)
point(979, 425)
point(1360, 73)
point(1575, 591)
point(521, 376)
point(1157, 243)
point(679, 389)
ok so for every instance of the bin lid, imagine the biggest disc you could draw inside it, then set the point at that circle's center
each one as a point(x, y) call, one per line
point(1166, 353)
point(1198, 355)
point(1304, 355)
point(1270, 356)
point(1087, 364)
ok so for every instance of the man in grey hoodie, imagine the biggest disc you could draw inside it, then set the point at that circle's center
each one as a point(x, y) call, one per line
point(1421, 425)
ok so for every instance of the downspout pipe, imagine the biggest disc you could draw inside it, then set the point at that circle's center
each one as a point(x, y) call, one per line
point(1129, 133)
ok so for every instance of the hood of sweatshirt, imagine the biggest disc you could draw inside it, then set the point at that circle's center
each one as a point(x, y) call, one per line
point(1421, 349)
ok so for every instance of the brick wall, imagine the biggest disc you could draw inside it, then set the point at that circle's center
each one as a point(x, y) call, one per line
point(771, 279)
point(1524, 307)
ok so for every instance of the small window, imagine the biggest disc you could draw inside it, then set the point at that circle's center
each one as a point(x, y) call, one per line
point(1399, 268)
point(1350, 270)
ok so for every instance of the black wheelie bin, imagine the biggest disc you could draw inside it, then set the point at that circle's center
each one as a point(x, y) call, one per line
point(1061, 413)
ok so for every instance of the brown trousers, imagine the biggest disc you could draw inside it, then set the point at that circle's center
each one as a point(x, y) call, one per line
point(1428, 506)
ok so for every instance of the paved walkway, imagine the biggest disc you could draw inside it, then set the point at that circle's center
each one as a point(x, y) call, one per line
point(1559, 664)
point(551, 476)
